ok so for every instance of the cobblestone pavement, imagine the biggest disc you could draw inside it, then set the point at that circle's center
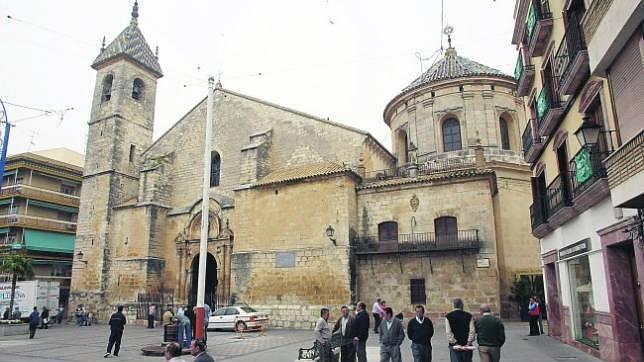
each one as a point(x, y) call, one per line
point(70, 343)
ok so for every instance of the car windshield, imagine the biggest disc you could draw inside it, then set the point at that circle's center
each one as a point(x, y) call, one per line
point(248, 309)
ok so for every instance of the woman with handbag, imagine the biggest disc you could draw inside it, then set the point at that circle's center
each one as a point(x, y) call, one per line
point(534, 310)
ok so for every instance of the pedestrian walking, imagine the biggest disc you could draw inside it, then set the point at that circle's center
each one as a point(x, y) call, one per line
point(44, 318)
point(376, 310)
point(361, 332)
point(34, 321)
point(459, 326)
point(420, 331)
point(190, 313)
point(198, 351)
point(184, 329)
point(172, 353)
point(534, 310)
point(79, 315)
point(392, 334)
point(345, 325)
point(490, 335)
point(17, 314)
point(152, 310)
point(117, 325)
point(6, 314)
point(323, 336)
point(60, 311)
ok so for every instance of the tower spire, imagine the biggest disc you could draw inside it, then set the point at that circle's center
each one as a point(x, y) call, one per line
point(135, 12)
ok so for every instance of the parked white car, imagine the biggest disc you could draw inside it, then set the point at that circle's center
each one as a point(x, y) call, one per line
point(240, 318)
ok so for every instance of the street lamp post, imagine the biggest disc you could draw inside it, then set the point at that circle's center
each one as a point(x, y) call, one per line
point(205, 202)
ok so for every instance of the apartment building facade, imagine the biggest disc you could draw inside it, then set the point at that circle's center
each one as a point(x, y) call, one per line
point(579, 71)
point(38, 211)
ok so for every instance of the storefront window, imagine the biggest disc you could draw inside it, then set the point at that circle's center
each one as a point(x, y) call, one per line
point(583, 308)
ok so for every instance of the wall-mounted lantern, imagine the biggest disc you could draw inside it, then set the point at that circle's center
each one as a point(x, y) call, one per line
point(330, 232)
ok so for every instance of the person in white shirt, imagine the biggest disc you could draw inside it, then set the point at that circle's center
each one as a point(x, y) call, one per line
point(323, 336)
point(377, 312)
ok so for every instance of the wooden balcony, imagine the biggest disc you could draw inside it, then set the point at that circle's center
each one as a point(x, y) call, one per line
point(524, 76)
point(38, 223)
point(571, 61)
point(539, 221)
point(423, 242)
point(33, 193)
point(532, 145)
point(549, 111)
point(559, 202)
point(538, 27)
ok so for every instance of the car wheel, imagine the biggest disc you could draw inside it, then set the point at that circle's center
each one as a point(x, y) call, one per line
point(240, 326)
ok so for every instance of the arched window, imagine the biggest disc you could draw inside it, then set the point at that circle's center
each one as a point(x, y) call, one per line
point(505, 134)
point(451, 135)
point(402, 146)
point(388, 231)
point(106, 94)
point(215, 168)
point(137, 89)
point(446, 229)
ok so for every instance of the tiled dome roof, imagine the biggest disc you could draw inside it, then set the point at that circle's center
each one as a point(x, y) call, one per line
point(453, 66)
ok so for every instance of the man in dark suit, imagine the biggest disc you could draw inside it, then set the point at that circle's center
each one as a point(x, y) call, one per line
point(346, 327)
point(361, 328)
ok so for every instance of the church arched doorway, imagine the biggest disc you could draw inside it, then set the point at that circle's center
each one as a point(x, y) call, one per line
point(211, 281)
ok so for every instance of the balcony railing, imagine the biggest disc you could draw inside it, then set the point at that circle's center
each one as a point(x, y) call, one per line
point(35, 193)
point(557, 195)
point(571, 61)
point(538, 26)
point(587, 168)
point(548, 109)
point(538, 215)
point(425, 167)
point(531, 144)
point(419, 242)
point(40, 223)
point(524, 75)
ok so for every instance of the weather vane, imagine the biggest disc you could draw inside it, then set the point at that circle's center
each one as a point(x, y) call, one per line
point(448, 31)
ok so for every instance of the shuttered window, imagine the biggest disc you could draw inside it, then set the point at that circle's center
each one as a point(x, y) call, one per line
point(446, 229)
point(417, 291)
point(388, 231)
point(626, 76)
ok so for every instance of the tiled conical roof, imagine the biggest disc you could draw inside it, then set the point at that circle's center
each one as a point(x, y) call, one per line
point(453, 66)
point(131, 44)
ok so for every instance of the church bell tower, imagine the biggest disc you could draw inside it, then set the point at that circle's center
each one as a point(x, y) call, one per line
point(120, 129)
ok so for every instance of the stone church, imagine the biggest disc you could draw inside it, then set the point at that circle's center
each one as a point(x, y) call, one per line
point(304, 212)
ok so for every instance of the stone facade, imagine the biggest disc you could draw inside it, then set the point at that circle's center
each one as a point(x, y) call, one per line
point(297, 197)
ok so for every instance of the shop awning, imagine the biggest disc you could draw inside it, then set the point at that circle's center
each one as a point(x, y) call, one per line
point(5, 202)
point(49, 261)
point(4, 230)
point(48, 241)
point(53, 206)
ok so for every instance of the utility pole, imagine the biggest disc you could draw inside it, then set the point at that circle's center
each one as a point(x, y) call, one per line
point(205, 203)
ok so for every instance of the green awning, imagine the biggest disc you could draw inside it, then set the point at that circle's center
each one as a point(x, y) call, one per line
point(48, 261)
point(4, 230)
point(9, 173)
point(49, 241)
point(53, 206)
point(5, 202)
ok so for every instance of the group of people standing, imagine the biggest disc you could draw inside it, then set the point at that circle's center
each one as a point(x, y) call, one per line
point(185, 322)
point(83, 316)
point(351, 332)
point(535, 313)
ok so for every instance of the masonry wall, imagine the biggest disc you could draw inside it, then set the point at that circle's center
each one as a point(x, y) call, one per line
point(282, 222)
point(447, 275)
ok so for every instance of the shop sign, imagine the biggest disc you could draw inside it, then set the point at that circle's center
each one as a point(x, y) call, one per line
point(577, 248)
point(583, 169)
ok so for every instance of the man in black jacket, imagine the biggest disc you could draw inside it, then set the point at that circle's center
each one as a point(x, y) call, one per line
point(345, 325)
point(361, 329)
point(117, 324)
point(421, 330)
point(459, 326)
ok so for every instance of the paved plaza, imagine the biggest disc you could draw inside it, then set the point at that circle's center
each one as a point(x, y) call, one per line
point(71, 343)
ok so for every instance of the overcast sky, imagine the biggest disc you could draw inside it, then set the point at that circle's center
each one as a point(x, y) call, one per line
point(339, 59)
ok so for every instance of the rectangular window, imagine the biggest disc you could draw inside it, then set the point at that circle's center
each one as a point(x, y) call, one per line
point(583, 311)
point(132, 152)
point(417, 288)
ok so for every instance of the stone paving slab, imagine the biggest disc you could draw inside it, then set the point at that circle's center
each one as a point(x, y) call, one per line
point(71, 343)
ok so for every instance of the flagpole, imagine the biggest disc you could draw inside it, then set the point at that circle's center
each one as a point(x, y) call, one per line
point(205, 203)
